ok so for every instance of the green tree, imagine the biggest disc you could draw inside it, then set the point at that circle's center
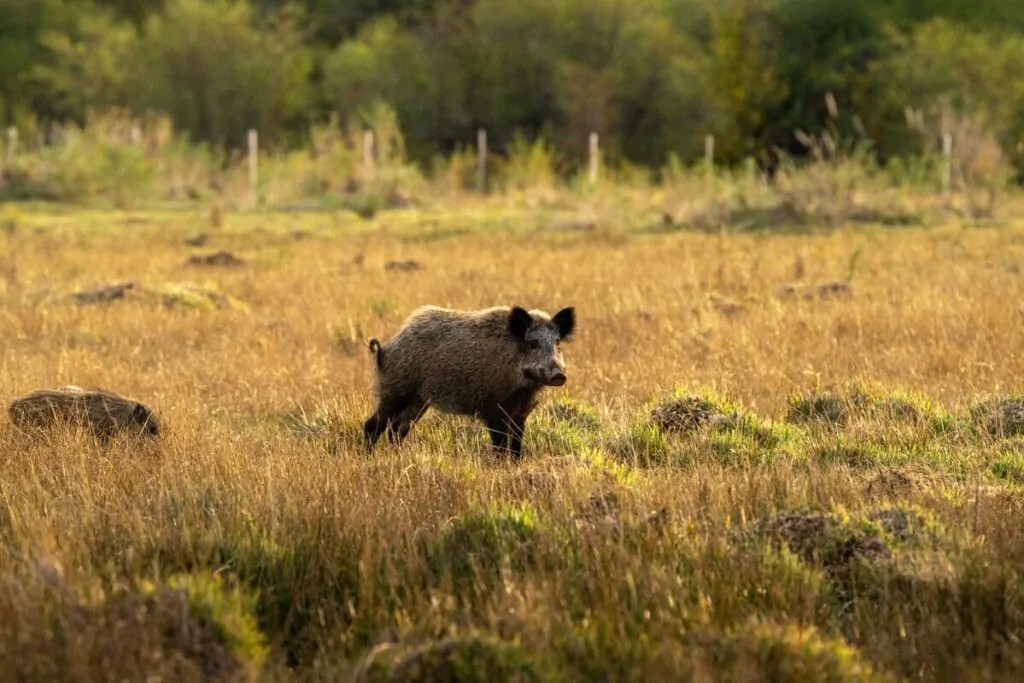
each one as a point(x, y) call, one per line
point(218, 69)
point(135, 10)
point(87, 68)
point(951, 75)
point(384, 64)
point(23, 23)
point(747, 76)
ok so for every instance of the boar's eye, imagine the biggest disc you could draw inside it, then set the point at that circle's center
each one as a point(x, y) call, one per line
point(534, 344)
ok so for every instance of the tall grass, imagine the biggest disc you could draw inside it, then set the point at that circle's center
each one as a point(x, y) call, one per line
point(120, 161)
point(778, 457)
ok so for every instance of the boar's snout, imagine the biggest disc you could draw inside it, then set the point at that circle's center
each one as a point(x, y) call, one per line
point(552, 377)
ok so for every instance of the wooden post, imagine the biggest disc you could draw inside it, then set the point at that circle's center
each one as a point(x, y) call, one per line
point(253, 165)
point(481, 160)
point(947, 163)
point(594, 152)
point(12, 143)
point(368, 152)
point(709, 162)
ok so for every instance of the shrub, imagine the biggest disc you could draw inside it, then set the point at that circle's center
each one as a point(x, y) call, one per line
point(191, 627)
point(767, 651)
point(477, 547)
point(466, 659)
point(1000, 417)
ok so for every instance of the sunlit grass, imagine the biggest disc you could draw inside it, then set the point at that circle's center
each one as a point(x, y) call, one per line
point(623, 546)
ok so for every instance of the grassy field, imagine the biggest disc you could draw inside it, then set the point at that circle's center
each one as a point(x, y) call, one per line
point(788, 457)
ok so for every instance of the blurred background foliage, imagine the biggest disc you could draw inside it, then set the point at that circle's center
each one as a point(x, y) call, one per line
point(652, 77)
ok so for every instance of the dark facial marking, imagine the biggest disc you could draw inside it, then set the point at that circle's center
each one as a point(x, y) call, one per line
point(565, 321)
point(519, 321)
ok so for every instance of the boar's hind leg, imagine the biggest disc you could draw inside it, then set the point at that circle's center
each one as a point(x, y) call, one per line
point(403, 410)
point(404, 421)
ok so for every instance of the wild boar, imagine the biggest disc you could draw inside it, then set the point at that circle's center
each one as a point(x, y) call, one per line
point(489, 364)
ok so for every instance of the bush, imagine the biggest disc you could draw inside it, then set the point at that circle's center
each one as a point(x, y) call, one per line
point(714, 426)
point(191, 627)
point(766, 651)
point(476, 548)
point(972, 612)
point(220, 69)
point(467, 659)
point(1000, 417)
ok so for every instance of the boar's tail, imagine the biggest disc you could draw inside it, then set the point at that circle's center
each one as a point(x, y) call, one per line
point(377, 351)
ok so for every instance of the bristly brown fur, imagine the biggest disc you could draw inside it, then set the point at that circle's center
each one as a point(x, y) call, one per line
point(488, 363)
point(376, 350)
point(102, 412)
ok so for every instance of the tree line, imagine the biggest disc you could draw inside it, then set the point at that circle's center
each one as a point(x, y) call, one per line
point(651, 77)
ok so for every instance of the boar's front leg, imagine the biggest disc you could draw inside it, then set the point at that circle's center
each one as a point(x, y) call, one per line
point(500, 427)
point(507, 422)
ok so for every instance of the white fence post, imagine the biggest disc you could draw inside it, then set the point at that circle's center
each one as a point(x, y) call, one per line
point(947, 159)
point(481, 160)
point(709, 162)
point(595, 151)
point(368, 161)
point(12, 144)
point(254, 165)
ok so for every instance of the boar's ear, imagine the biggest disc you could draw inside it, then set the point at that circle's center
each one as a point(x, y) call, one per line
point(140, 412)
point(565, 321)
point(519, 321)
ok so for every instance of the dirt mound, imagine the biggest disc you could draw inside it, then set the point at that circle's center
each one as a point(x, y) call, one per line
point(534, 484)
point(406, 266)
point(834, 541)
point(574, 414)
point(893, 483)
point(465, 659)
point(838, 289)
point(190, 295)
point(218, 259)
point(824, 539)
point(904, 525)
point(837, 405)
point(616, 509)
point(104, 294)
point(683, 415)
point(829, 407)
point(1000, 417)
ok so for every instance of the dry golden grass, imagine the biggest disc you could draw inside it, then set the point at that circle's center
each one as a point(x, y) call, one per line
point(614, 551)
